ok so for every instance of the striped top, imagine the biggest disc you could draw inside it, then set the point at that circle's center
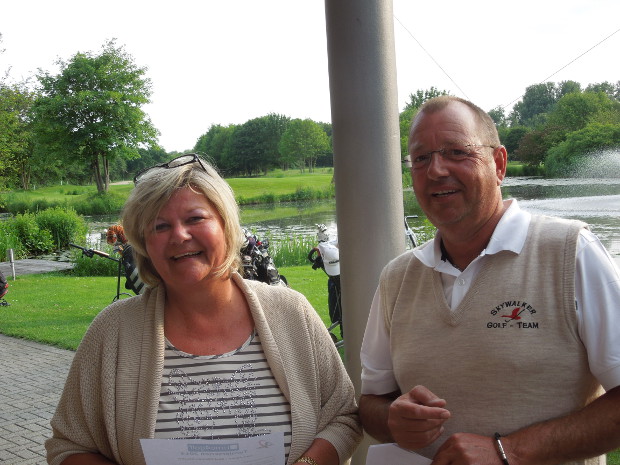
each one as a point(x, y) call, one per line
point(233, 395)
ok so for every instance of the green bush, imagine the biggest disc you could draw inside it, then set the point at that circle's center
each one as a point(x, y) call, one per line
point(9, 240)
point(34, 240)
point(100, 204)
point(93, 266)
point(64, 224)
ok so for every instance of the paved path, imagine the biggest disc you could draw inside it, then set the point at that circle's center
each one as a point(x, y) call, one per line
point(32, 376)
point(32, 266)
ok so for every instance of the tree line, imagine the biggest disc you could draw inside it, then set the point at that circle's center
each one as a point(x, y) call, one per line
point(555, 129)
point(564, 127)
point(86, 124)
point(271, 141)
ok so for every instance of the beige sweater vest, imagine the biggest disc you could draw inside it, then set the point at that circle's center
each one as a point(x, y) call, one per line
point(509, 355)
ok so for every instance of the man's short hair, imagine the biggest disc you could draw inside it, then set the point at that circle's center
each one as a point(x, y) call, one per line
point(485, 122)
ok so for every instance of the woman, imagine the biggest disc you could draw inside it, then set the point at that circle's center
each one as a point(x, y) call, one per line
point(202, 353)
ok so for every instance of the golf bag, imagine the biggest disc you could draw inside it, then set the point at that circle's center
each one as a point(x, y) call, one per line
point(326, 256)
point(132, 279)
point(257, 263)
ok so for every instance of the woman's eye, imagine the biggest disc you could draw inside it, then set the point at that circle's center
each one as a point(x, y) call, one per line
point(161, 227)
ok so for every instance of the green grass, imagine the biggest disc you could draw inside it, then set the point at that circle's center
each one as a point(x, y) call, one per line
point(255, 187)
point(277, 186)
point(54, 308)
point(57, 308)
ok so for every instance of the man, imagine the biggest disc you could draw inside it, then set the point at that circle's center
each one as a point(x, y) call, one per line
point(505, 323)
point(326, 255)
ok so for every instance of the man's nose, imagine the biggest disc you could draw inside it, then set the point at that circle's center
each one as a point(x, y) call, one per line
point(437, 166)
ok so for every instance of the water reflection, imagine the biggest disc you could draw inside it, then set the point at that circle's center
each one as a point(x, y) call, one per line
point(595, 201)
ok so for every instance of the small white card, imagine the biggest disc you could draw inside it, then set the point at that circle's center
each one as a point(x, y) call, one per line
point(380, 454)
point(260, 450)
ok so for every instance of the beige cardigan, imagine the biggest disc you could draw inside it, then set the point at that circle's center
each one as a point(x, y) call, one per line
point(111, 396)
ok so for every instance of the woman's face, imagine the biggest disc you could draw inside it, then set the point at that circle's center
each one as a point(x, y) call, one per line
point(186, 242)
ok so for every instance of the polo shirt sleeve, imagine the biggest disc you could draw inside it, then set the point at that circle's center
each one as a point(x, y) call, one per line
point(597, 292)
point(377, 370)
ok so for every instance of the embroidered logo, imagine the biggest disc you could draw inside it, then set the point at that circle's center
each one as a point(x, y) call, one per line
point(513, 314)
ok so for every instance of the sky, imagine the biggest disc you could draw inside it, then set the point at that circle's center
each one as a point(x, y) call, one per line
point(228, 61)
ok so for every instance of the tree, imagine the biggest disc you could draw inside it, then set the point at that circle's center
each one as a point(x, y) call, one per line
point(17, 160)
point(411, 108)
point(91, 111)
point(302, 142)
point(533, 148)
point(498, 116)
point(416, 100)
point(583, 152)
point(574, 111)
point(215, 144)
point(511, 139)
point(567, 87)
point(536, 102)
point(611, 90)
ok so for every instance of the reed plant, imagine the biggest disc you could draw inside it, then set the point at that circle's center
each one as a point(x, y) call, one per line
point(291, 250)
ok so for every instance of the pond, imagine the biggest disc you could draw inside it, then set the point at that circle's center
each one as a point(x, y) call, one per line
point(595, 201)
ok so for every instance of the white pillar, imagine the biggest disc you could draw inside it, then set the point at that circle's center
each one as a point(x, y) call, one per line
point(367, 167)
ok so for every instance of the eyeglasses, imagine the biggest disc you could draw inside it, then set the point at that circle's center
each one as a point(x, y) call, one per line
point(450, 153)
point(174, 163)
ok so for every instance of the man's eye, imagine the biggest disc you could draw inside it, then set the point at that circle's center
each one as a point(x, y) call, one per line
point(421, 158)
point(458, 152)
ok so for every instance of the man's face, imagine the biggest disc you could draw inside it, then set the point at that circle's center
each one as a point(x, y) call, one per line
point(462, 191)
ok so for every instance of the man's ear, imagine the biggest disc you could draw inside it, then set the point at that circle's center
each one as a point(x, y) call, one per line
point(500, 155)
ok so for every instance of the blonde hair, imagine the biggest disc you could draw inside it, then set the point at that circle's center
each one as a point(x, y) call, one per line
point(154, 189)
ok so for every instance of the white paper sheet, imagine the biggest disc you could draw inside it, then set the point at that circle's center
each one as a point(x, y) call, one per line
point(382, 454)
point(260, 450)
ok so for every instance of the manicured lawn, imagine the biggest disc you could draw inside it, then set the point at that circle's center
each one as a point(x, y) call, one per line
point(254, 187)
point(57, 308)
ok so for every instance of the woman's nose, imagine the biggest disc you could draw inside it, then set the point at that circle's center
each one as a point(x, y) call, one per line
point(180, 233)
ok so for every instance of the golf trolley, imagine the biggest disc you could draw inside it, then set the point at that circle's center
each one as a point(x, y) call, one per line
point(125, 267)
point(257, 263)
point(326, 257)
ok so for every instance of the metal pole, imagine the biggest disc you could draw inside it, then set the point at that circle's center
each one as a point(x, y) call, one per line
point(367, 167)
point(11, 257)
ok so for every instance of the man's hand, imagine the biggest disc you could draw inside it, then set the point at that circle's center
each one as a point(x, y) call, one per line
point(467, 449)
point(416, 418)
